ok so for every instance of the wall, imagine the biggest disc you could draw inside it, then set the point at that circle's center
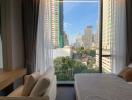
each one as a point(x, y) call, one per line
point(62, 52)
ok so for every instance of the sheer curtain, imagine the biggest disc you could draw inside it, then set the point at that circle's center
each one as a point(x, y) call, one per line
point(44, 50)
point(118, 40)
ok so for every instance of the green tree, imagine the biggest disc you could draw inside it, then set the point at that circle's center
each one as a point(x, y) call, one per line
point(66, 67)
point(91, 53)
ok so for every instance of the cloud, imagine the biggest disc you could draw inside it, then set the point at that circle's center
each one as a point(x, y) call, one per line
point(67, 25)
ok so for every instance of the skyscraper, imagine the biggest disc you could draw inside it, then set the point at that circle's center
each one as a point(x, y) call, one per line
point(66, 41)
point(61, 28)
point(97, 45)
point(79, 42)
point(106, 35)
point(87, 38)
point(54, 30)
point(97, 36)
point(57, 24)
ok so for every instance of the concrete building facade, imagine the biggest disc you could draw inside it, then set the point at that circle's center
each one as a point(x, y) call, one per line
point(66, 41)
point(57, 24)
point(106, 37)
point(87, 38)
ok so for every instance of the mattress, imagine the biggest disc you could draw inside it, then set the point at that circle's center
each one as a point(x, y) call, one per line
point(102, 87)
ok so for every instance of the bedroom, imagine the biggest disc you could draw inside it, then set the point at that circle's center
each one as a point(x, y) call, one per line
point(65, 43)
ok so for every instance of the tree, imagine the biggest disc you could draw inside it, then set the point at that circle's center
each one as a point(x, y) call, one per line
point(66, 67)
point(91, 53)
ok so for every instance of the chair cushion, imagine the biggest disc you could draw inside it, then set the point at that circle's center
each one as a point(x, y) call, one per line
point(41, 87)
point(17, 92)
point(30, 81)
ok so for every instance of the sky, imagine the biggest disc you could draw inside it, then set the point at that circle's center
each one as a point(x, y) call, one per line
point(78, 15)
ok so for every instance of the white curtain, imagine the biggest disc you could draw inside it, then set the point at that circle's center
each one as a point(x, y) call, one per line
point(44, 50)
point(118, 40)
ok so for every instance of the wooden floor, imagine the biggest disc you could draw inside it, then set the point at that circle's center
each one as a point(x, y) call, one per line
point(65, 93)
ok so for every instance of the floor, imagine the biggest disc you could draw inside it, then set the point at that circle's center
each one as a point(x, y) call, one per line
point(65, 93)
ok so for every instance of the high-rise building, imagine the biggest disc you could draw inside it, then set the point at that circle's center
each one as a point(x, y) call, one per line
point(93, 47)
point(54, 36)
point(106, 37)
point(107, 11)
point(61, 28)
point(66, 41)
point(97, 36)
point(87, 38)
point(79, 42)
point(97, 44)
point(57, 24)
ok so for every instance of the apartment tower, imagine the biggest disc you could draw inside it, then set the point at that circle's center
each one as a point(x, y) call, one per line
point(87, 38)
point(107, 11)
point(57, 24)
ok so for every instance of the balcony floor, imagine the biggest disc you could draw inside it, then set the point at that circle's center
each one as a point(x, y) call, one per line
point(65, 93)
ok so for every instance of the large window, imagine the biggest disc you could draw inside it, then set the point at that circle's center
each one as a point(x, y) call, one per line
point(76, 37)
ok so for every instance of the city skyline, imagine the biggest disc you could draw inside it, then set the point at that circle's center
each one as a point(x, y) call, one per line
point(88, 17)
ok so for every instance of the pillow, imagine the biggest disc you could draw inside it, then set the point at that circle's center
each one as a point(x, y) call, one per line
point(49, 74)
point(130, 65)
point(121, 74)
point(128, 75)
point(30, 81)
point(41, 87)
point(17, 92)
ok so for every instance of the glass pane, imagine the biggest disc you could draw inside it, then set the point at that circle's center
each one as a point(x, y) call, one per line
point(75, 37)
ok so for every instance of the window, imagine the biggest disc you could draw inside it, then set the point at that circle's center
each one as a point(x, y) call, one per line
point(76, 38)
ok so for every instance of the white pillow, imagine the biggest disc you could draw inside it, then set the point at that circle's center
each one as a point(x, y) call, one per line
point(30, 81)
point(41, 87)
point(129, 83)
point(130, 65)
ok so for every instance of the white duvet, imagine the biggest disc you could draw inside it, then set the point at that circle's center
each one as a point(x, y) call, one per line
point(102, 87)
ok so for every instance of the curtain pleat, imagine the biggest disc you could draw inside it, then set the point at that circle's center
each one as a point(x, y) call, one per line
point(30, 9)
point(118, 43)
point(44, 50)
point(129, 32)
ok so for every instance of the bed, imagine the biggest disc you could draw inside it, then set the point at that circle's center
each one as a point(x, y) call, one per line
point(102, 87)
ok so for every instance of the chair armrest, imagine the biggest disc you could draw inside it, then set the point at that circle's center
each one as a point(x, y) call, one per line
point(25, 98)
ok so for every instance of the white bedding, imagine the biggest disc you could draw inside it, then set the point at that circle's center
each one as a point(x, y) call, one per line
point(102, 87)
